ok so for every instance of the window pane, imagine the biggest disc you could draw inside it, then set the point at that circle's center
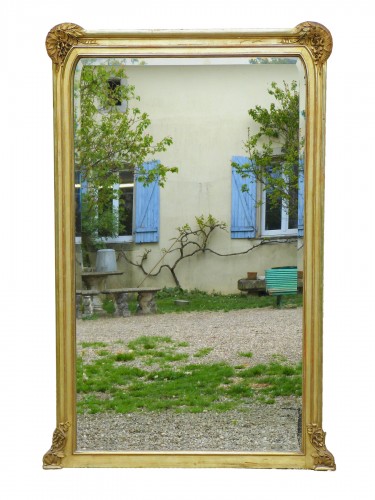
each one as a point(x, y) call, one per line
point(293, 215)
point(126, 211)
point(126, 177)
point(107, 223)
point(77, 194)
point(273, 214)
point(113, 84)
point(293, 203)
point(126, 202)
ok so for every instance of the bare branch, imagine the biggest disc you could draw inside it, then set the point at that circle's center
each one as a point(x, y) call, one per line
point(206, 227)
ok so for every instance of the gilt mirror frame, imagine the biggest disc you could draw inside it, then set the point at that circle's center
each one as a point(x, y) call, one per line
point(66, 44)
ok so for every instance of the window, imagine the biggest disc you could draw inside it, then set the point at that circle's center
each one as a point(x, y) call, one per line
point(279, 217)
point(123, 206)
point(137, 207)
point(113, 94)
point(126, 197)
point(254, 215)
point(78, 202)
point(113, 83)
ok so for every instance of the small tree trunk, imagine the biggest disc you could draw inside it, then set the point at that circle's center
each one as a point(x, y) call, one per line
point(175, 278)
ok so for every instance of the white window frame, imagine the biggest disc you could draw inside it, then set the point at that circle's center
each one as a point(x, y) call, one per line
point(284, 230)
point(128, 238)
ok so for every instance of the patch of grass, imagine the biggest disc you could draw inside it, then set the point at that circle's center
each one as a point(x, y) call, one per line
point(156, 350)
point(278, 358)
point(108, 384)
point(274, 379)
point(108, 305)
point(246, 354)
point(93, 344)
point(182, 344)
point(124, 356)
point(102, 352)
point(163, 358)
point(203, 301)
point(192, 388)
point(265, 400)
point(148, 342)
point(103, 375)
point(203, 352)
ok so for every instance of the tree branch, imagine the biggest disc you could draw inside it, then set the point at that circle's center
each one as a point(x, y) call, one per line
point(206, 226)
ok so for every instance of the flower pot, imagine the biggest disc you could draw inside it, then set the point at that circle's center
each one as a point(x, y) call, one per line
point(252, 276)
point(106, 261)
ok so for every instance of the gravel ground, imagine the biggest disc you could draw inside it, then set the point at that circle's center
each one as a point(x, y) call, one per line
point(253, 427)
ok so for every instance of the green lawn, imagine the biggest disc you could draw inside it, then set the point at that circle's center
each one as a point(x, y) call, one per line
point(202, 301)
point(168, 378)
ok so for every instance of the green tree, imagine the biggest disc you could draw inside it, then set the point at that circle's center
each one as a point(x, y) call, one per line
point(110, 136)
point(275, 151)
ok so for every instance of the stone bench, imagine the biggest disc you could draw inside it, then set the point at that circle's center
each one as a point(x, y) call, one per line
point(85, 302)
point(146, 300)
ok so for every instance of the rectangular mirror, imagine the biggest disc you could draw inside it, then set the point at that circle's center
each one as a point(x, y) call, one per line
point(189, 205)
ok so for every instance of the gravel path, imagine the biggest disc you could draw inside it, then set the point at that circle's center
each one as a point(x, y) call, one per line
point(254, 427)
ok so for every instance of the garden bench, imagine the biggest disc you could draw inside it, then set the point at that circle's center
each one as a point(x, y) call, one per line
point(146, 300)
point(281, 281)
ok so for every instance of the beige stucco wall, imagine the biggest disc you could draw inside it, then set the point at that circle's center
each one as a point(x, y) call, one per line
point(204, 109)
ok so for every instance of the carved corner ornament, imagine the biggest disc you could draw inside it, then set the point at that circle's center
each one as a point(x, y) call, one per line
point(52, 459)
point(316, 37)
point(323, 459)
point(61, 39)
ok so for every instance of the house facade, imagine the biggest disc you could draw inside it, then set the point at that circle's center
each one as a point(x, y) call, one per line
point(203, 105)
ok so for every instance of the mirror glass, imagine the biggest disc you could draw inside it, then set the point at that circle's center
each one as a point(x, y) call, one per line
point(189, 196)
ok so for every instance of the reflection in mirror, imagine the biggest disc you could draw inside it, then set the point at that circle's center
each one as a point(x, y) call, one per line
point(189, 253)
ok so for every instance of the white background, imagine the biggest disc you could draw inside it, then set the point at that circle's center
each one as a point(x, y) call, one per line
point(27, 339)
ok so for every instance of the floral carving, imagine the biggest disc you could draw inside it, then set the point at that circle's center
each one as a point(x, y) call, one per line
point(323, 459)
point(61, 39)
point(316, 37)
point(52, 459)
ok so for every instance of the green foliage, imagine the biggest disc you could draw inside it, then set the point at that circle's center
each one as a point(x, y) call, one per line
point(108, 305)
point(156, 350)
point(274, 379)
point(246, 354)
point(102, 352)
point(112, 383)
point(203, 352)
point(203, 301)
point(110, 138)
point(93, 344)
point(124, 356)
point(279, 130)
point(198, 237)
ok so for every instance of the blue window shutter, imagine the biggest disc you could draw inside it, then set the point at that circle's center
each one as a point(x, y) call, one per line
point(79, 193)
point(243, 224)
point(83, 187)
point(301, 199)
point(147, 201)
